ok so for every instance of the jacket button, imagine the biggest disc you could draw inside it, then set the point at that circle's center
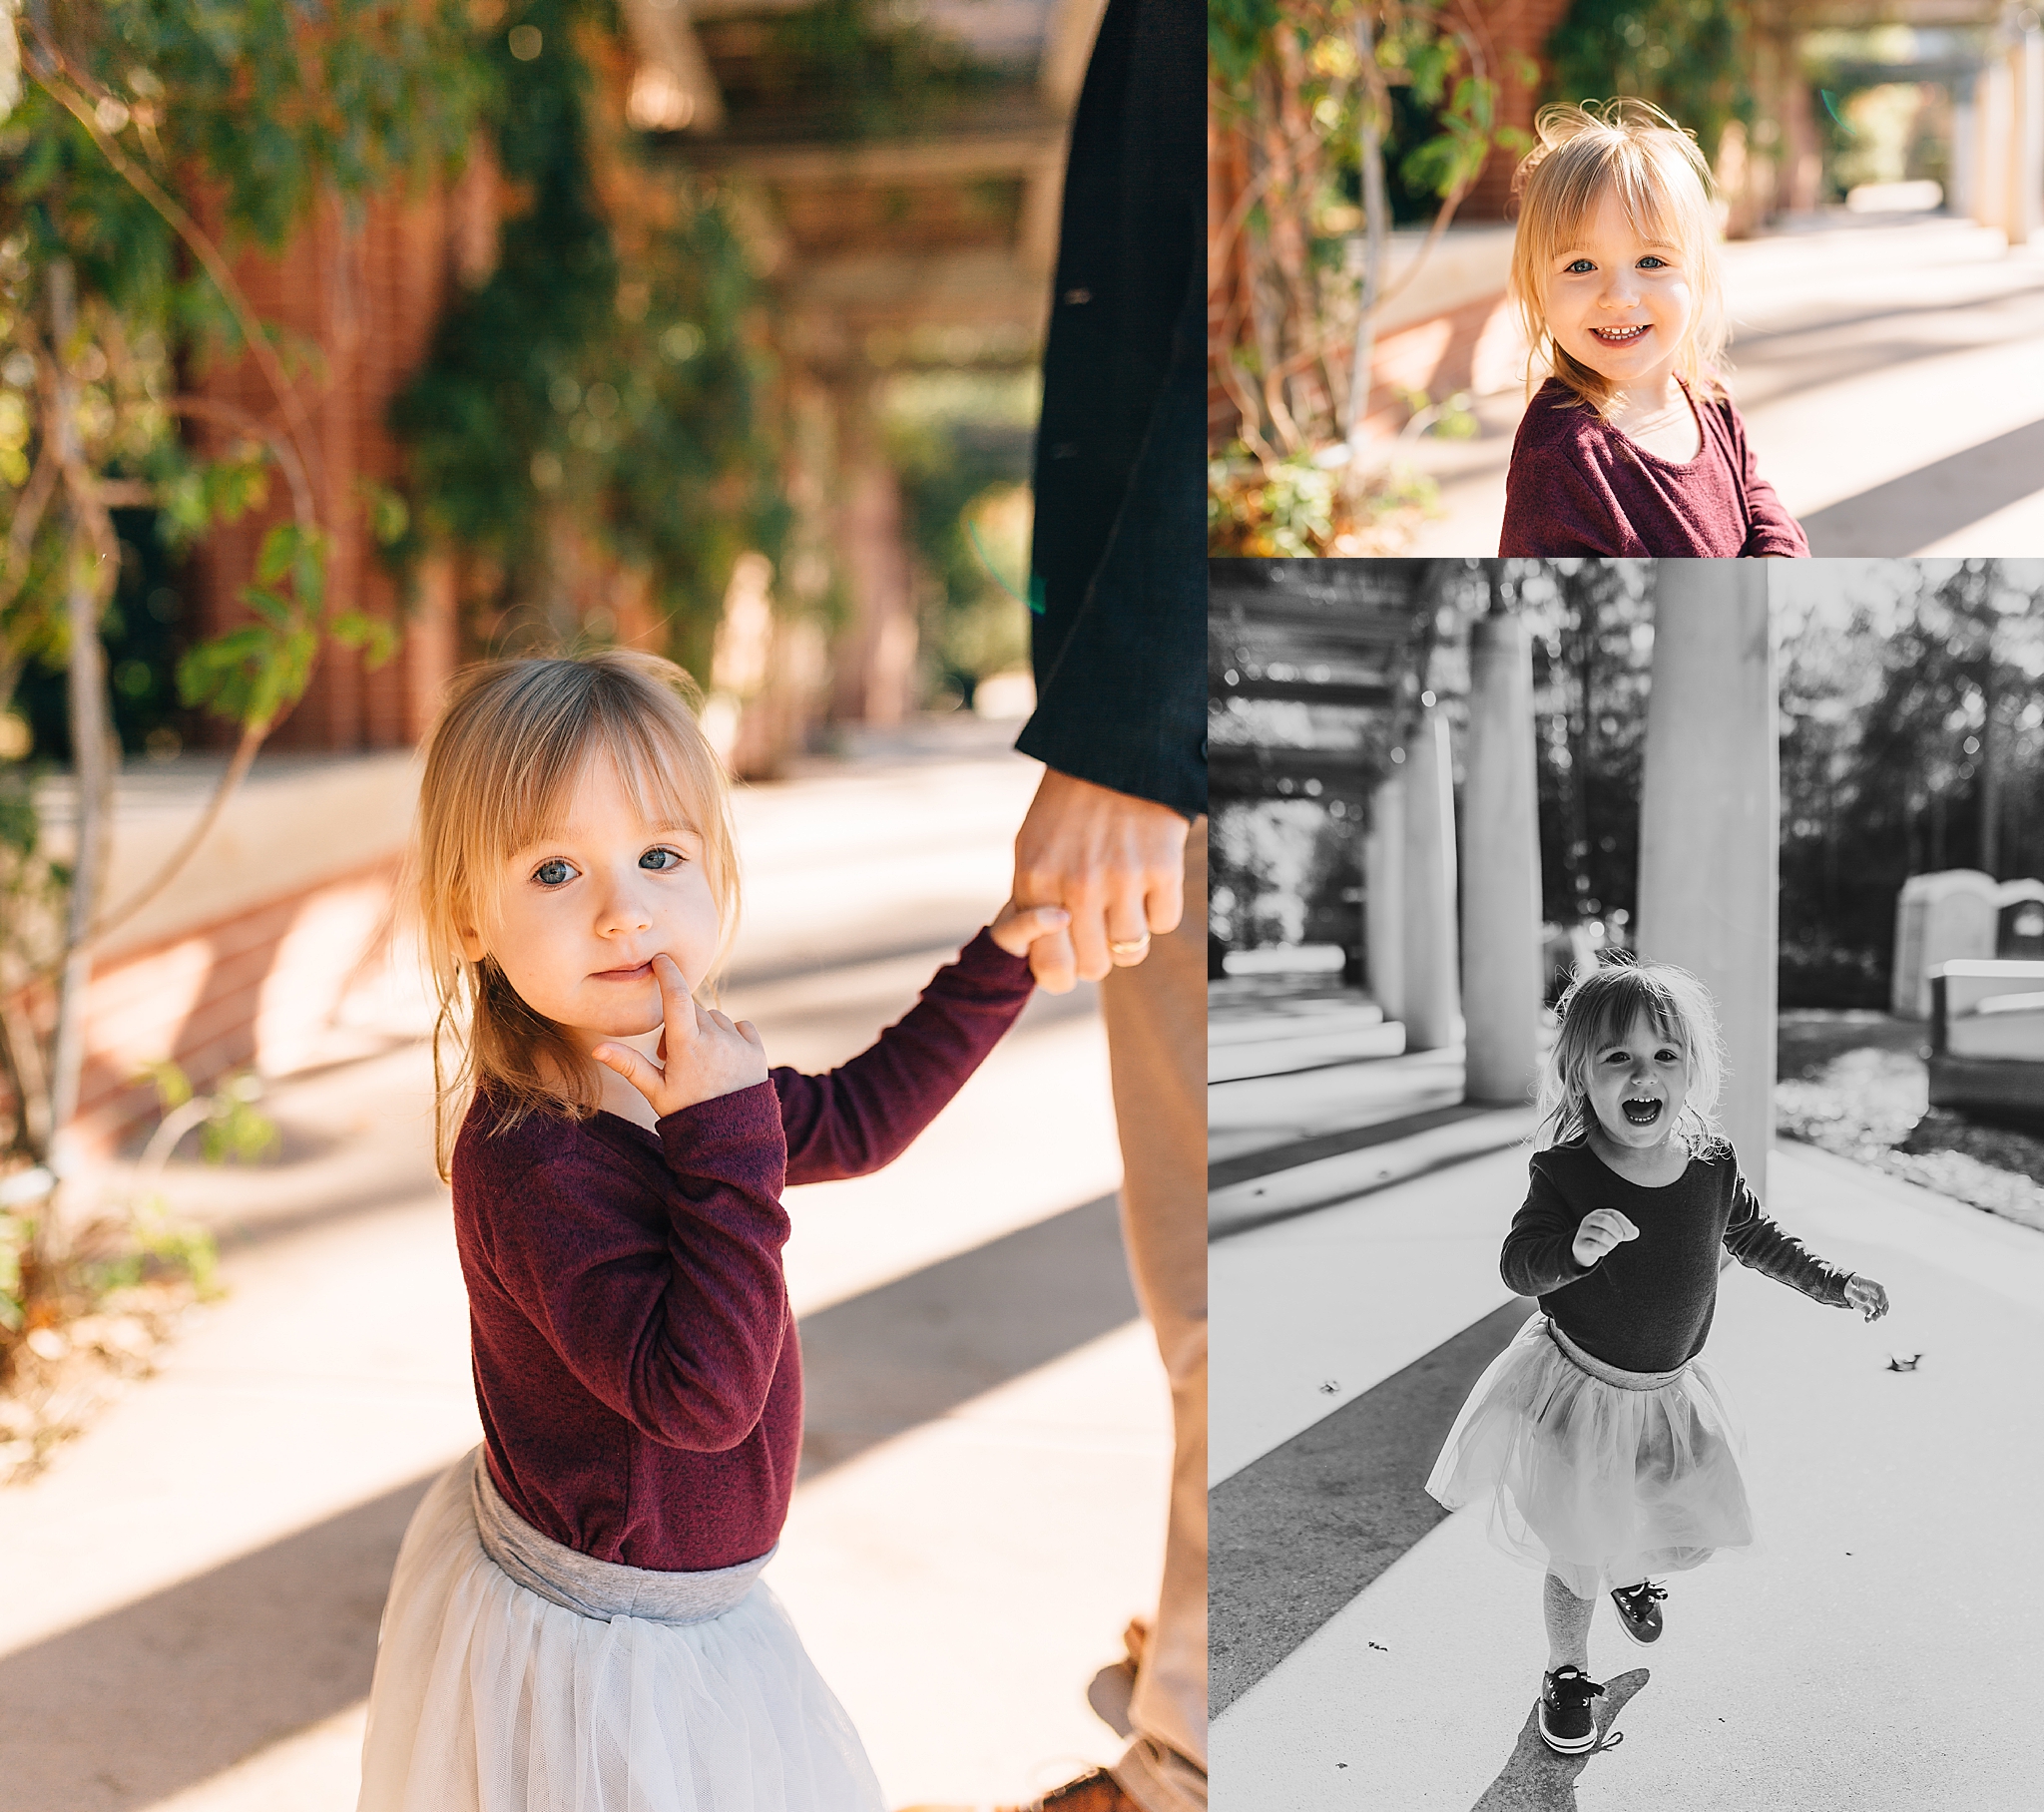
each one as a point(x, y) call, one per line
point(1076, 296)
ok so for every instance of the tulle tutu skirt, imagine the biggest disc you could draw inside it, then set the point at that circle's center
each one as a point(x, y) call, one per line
point(1596, 1473)
point(492, 1697)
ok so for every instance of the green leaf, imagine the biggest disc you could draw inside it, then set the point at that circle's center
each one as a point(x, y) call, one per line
point(280, 549)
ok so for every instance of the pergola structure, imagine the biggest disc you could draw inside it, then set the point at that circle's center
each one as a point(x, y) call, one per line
point(933, 248)
point(1456, 955)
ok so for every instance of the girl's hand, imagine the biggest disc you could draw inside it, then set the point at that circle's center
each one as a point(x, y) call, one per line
point(1863, 1294)
point(1600, 1230)
point(1015, 928)
point(702, 1053)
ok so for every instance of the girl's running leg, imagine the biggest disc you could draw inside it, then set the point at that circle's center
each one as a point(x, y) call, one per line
point(1568, 1626)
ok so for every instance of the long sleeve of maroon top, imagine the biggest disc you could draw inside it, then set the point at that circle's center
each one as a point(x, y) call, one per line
point(634, 1356)
point(1577, 485)
point(1647, 1305)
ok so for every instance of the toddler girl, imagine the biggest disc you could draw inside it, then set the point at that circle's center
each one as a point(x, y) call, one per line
point(1631, 447)
point(1603, 1443)
point(576, 1623)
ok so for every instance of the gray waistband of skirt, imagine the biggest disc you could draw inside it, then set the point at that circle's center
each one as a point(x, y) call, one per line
point(1625, 1381)
point(599, 1588)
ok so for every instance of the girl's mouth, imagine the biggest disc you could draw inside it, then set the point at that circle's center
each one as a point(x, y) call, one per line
point(1640, 1112)
point(1618, 337)
point(639, 974)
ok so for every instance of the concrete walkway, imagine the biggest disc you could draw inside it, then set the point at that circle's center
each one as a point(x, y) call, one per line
point(1891, 376)
point(192, 1589)
point(1878, 1654)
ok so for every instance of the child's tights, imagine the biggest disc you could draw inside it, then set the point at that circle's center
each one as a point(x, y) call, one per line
point(1568, 1626)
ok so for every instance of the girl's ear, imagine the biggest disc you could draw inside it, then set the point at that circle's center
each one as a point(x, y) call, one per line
point(471, 943)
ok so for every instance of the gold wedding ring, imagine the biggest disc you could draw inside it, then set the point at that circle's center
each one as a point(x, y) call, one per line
point(1130, 946)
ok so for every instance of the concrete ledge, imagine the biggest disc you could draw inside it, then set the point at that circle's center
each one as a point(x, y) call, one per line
point(296, 822)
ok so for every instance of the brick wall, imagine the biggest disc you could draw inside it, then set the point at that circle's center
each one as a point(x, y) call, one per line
point(366, 297)
point(1519, 29)
point(259, 989)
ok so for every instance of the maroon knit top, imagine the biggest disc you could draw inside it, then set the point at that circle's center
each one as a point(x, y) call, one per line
point(1647, 1305)
point(635, 1355)
point(1579, 486)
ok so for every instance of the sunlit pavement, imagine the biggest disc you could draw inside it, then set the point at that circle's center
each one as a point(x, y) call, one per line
point(1371, 1652)
point(192, 1589)
point(1890, 370)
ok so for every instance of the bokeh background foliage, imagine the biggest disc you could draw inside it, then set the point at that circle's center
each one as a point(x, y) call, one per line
point(606, 374)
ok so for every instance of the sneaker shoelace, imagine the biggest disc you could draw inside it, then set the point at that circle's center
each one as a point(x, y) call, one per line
point(1639, 1600)
point(1580, 1691)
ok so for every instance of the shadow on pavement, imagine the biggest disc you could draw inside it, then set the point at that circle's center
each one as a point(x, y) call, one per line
point(132, 1706)
point(1297, 1534)
point(915, 1349)
point(129, 1708)
point(1934, 500)
point(1536, 1779)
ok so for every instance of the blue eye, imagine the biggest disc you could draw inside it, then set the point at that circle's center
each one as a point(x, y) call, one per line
point(1577, 266)
point(1652, 262)
point(660, 860)
point(552, 872)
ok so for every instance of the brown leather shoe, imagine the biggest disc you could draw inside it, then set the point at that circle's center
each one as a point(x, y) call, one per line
point(1097, 1791)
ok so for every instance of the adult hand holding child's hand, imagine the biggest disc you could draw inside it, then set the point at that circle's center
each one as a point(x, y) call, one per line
point(1017, 928)
point(703, 1053)
point(1599, 1231)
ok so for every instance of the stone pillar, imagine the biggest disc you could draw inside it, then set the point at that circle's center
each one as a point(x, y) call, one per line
point(875, 654)
point(2026, 174)
point(1432, 1009)
point(1383, 897)
point(1501, 990)
point(1710, 811)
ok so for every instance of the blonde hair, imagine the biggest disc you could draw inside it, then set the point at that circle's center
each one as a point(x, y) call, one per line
point(502, 759)
point(1597, 1012)
point(1631, 148)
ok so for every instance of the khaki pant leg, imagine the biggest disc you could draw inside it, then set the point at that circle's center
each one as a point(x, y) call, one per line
point(1156, 1018)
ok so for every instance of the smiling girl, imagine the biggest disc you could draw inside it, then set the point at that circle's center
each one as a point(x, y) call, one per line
point(576, 1618)
point(1631, 447)
point(1602, 1442)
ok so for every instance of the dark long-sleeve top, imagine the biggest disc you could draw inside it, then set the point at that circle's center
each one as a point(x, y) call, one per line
point(1577, 485)
point(635, 1355)
point(1646, 1305)
point(1120, 545)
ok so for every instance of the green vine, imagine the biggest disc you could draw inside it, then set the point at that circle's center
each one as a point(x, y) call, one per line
point(1684, 56)
point(619, 390)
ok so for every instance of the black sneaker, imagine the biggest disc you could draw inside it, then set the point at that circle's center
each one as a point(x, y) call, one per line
point(1639, 1611)
point(1566, 1725)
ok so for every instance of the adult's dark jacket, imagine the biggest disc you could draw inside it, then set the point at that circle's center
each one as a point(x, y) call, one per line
point(1120, 545)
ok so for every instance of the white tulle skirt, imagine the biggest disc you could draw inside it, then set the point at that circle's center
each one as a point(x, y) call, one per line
point(662, 1692)
point(1596, 1473)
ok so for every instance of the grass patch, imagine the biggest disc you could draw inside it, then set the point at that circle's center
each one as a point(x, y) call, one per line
point(1857, 1084)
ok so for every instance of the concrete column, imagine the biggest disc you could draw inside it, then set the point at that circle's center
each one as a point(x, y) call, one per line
point(1383, 897)
point(1710, 811)
point(2026, 177)
point(1501, 990)
point(1432, 1009)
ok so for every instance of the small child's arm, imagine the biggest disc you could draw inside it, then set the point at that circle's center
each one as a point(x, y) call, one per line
point(1539, 1253)
point(1757, 1241)
point(864, 1114)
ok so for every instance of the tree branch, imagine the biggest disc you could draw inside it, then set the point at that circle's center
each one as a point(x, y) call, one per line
point(56, 77)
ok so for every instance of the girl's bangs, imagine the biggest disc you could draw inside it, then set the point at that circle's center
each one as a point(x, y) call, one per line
point(1614, 1007)
point(653, 767)
point(1645, 193)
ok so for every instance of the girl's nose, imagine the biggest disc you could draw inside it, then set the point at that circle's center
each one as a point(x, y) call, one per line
point(622, 910)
